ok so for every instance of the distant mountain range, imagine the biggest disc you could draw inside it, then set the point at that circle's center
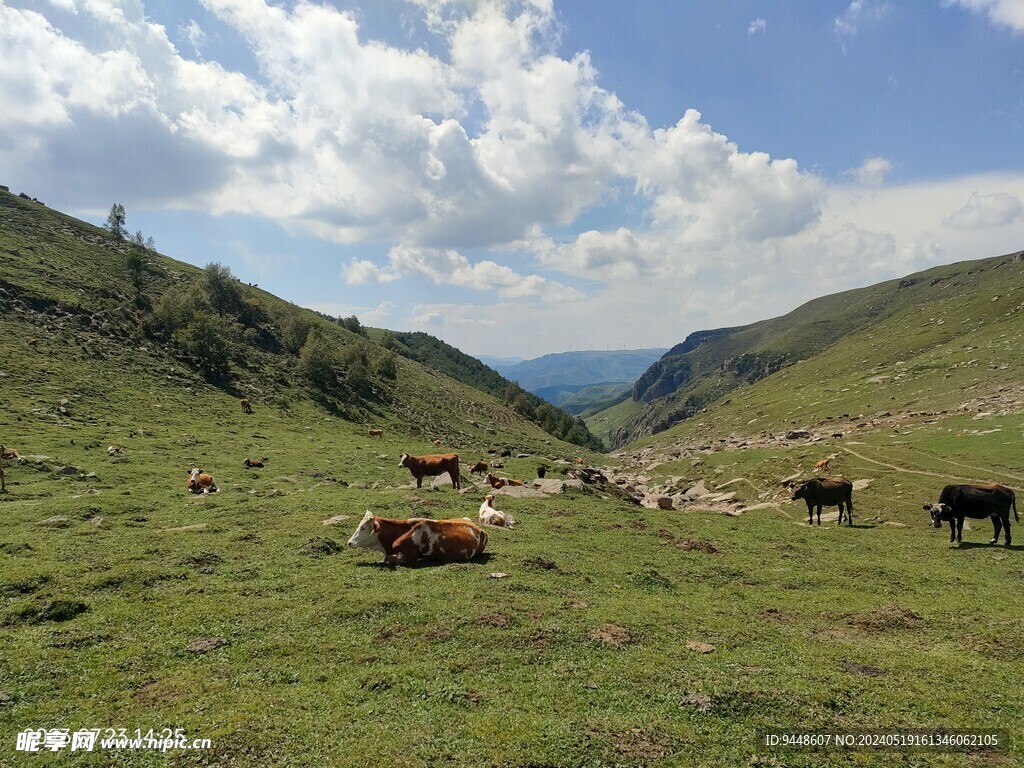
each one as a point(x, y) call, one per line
point(567, 376)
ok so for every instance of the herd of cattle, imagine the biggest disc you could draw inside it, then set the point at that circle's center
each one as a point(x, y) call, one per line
point(403, 542)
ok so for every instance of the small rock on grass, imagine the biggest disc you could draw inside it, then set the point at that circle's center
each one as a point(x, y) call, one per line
point(205, 644)
point(699, 647)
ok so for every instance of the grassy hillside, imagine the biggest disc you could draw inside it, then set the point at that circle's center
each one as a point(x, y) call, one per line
point(593, 633)
point(711, 364)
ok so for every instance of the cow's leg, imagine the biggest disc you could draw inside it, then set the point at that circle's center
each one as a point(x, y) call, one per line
point(419, 481)
point(404, 551)
point(840, 521)
point(952, 529)
point(997, 523)
point(819, 515)
point(810, 513)
point(959, 528)
point(1006, 527)
point(849, 510)
point(455, 479)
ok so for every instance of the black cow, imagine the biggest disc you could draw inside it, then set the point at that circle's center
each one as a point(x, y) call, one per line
point(976, 502)
point(825, 491)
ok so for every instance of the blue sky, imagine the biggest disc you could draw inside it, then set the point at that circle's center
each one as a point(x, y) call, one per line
point(530, 176)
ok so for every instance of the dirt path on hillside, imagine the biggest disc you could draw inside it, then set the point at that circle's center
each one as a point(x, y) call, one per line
point(925, 472)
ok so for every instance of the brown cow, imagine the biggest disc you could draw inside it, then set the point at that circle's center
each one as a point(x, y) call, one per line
point(10, 453)
point(253, 463)
point(501, 482)
point(246, 405)
point(200, 482)
point(480, 467)
point(434, 465)
point(825, 491)
point(403, 542)
point(437, 443)
point(378, 433)
point(822, 465)
point(579, 459)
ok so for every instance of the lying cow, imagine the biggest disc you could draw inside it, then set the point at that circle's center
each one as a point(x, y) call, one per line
point(432, 466)
point(403, 542)
point(200, 482)
point(115, 450)
point(825, 491)
point(479, 468)
point(976, 502)
point(488, 515)
point(501, 482)
point(10, 453)
point(253, 463)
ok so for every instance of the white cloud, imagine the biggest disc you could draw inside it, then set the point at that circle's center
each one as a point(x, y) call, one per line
point(1007, 13)
point(996, 209)
point(373, 316)
point(449, 267)
point(365, 272)
point(757, 25)
point(872, 171)
point(193, 34)
point(858, 14)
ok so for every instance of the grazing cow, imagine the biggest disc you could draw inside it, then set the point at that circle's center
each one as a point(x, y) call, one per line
point(434, 465)
point(200, 482)
point(976, 502)
point(246, 405)
point(437, 443)
point(9, 453)
point(579, 459)
point(115, 450)
point(822, 465)
point(378, 433)
point(253, 463)
point(480, 467)
point(488, 515)
point(541, 471)
point(826, 491)
point(501, 482)
point(403, 542)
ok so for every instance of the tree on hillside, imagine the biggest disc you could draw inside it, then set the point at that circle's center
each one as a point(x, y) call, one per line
point(143, 242)
point(222, 290)
point(116, 221)
point(136, 266)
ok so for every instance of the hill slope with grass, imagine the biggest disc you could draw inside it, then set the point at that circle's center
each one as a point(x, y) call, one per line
point(595, 632)
point(710, 364)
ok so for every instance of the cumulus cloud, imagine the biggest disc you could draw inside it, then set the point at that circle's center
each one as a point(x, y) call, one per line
point(757, 25)
point(858, 14)
point(985, 211)
point(193, 34)
point(367, 315)
point(872, 171)
point(1006, 13)
point(365, 272)
point(449, 267)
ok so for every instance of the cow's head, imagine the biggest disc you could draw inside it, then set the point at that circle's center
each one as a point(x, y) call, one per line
point(403, 461)
point(365, 536)
point(799, 492)
point(193, 478)
point(940, 512)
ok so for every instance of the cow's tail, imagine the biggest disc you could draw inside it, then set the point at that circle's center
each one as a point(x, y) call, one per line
point(1013, 501)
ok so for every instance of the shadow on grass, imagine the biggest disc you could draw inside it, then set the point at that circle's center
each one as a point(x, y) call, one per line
point(986, 545)
point(483, 559)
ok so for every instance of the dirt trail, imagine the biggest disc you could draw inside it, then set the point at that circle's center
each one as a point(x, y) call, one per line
point(930, 474)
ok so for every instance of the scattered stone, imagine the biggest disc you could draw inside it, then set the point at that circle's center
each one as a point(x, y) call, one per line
point(860, 485)
point(5, 698)
point(699, 647)
point(797, 434)
point(497, 575)
point(69, 471)
point(205, 644)
point(337, 519)
point(57, 521)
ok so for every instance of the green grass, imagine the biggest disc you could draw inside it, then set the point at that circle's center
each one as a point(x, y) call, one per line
point(578, 657)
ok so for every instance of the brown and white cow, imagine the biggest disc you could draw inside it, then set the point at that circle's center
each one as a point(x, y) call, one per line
point(10, 453)
point(201, 482)
point(488, 515)
point(501, 482)
point(432, 466)
point(378, 433)
point(115, 450)
point(826, 491)
point(403, 542)
point(976, 502)
point(246, 405)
